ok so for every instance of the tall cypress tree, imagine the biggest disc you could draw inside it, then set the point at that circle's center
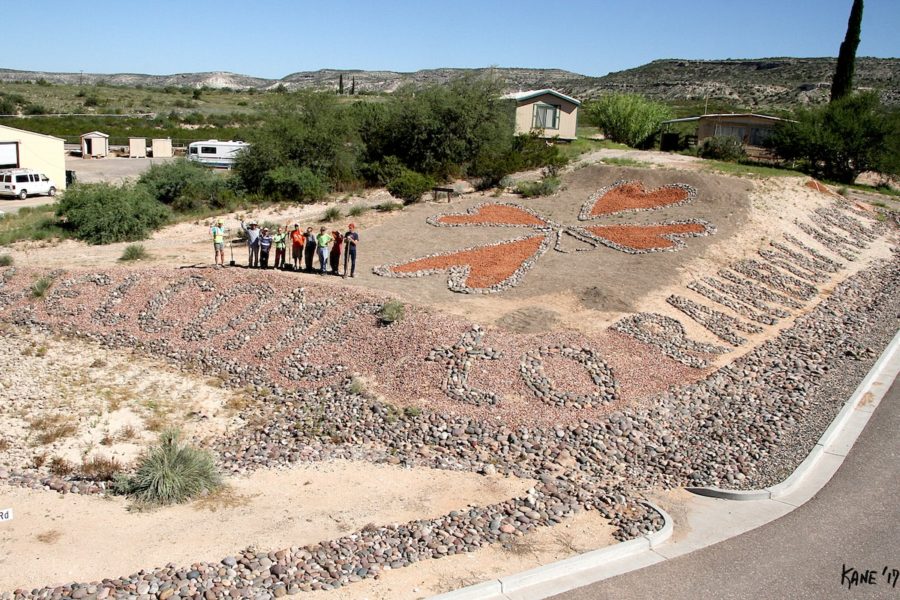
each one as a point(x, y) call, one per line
point(341, 85)
point(842, 84)
point(353, 86)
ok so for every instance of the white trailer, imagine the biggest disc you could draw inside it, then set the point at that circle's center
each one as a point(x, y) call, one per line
point(214, 153)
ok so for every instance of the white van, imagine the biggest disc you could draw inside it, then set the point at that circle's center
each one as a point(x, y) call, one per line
point(215, 153)
point(21, 183)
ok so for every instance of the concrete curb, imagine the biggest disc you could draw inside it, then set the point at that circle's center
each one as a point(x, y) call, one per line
point(865, 400)
point(527, 583)
point(597, 565)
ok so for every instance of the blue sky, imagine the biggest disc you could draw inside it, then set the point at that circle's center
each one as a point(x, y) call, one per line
point(273, 38)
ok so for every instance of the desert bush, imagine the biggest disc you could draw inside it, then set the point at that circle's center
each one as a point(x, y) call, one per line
point(355, 211)
point(522, 152)
point(391, 312)
point(100, 468)
point(842, 139)
point(290, 182)
point(60, 467)
point(167, 181)
point(383, 171)
point(627, 118)
point(332, 213)
point(722, 147)
point(388, 206)
point(100, 213)
point(134, 252)
point(6, 260)
point(409, 186)
point(542, 187)
point(170, 473)
point(39, 288)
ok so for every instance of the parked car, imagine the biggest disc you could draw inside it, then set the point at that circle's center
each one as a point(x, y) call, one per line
point(21, 183)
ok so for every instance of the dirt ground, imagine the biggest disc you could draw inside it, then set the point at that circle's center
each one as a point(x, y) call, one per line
point(71, 401)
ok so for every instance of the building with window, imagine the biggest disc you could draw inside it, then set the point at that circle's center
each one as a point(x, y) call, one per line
point(547, 112)
point(20, 149)
point(749, 128)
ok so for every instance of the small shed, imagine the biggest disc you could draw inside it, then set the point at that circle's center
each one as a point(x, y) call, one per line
point(161, 148)
point(750, 128)
point(20, 149)
point(547, 112)
point(94, 144)
point(137, 147)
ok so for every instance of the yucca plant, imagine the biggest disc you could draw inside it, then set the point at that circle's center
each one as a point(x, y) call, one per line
point(171, 473)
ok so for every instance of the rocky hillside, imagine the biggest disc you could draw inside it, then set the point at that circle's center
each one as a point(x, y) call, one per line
point(768, 82)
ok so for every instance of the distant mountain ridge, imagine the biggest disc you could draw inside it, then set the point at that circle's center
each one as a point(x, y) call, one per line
point(764, 82)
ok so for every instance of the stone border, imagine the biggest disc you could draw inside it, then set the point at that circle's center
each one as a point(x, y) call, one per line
point(585, 214)
point(458, 274)
point(546, 576)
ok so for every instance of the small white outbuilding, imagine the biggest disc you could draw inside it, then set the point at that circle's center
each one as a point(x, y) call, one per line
point(137, 147)
point(94, 144)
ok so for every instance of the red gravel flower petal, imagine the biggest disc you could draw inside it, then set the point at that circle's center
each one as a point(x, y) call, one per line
point(660, 236)
point(624, 196)
point(493, 214)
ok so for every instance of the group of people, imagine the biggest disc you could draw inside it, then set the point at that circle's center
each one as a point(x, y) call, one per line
point(305, 246)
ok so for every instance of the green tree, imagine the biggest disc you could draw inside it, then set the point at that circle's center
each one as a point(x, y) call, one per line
point(101, 213)
point(628, 118)
point(842, 84)
point(341, 85)
point(842, 139)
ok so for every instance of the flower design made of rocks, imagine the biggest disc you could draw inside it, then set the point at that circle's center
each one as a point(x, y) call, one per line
point(499, 266)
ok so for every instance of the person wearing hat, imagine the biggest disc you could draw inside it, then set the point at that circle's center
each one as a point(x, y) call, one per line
point(252, 243)
point(297, 239)
point(322, 241)
point(218, 235)
point(351, 241)
point(265, 244)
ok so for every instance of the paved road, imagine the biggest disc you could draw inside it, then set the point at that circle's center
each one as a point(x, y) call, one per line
point(853, 520)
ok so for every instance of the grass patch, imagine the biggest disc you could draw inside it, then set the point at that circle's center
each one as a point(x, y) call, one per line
point(543, 187)
point(134, 252)
point(333, 213)
point(881, 189)
point(50, 428)
point(357, 387)
point(388, 207)
point(745, 170)
point(171, 473)
point(391, 312)
point(6, 260)
point(583, 144)
point(625, 162)
point(355, 211)
point(61, 467)
point(36, 223)
point(39, 288)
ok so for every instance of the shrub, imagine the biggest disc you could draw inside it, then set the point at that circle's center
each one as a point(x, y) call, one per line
point(542, 187)
point(409, 186)
point(332, 213)
point(171, 473)
point(383, 171)
point(355, 211)
point(627, 118)
point(100, 213)
point(60, 467)
point(722, 147)
point(388, 207)
point(290, 182)
point(391, 312)
point(167, 181)
point(134, 252)
point(39, 288)
point(842, 139)
point(6, 260)
point(100, 468)
point(205, 193)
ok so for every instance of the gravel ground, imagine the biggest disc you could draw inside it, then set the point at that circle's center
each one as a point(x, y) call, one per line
point(739, 426)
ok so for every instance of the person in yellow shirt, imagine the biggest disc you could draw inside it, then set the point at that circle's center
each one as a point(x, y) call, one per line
point(279, 240)
point(218, 235)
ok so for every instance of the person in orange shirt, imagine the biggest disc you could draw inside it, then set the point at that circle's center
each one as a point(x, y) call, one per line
point(297, 239)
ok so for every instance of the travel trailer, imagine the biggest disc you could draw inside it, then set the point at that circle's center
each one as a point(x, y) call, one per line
point(214, 153)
